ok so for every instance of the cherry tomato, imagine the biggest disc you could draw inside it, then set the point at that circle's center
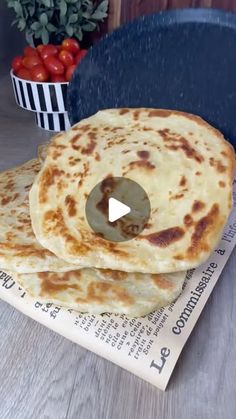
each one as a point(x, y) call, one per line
point(48, 50)
point(30, 51)
point(31, 61)
point(80, 55)
point(17, 63)
point(66, 58)
point(53, 65)
point(23, 73)
point(40, 48)
point(58, 78)
point(69, 72)
point(39, 73)
point(71, 45)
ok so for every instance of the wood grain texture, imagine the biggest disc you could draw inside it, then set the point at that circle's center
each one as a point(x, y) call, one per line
point(45, 376)
point(127, 10)
point(114, 14)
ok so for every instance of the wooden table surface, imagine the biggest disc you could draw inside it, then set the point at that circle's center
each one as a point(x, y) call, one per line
point(44, 376)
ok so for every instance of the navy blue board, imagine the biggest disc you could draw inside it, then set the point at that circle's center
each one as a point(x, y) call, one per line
point(181, 59)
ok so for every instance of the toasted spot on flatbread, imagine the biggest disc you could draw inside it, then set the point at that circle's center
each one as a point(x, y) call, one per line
point(166, 237)
point(116, 275)
point(71, 205)
point(183, 181)
point(188, 220)
point(217, 164)
point(49, 178)
point(177, 196)
point(143, 164)
point(52, 283)
point(163, 113)
point(222, 184)
point(202, 230)
point(161, 281)
point(198, 206)
point(123, 111)
point(143, 154)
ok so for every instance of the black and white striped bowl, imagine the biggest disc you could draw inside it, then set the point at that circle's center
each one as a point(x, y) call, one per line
point(46, 100)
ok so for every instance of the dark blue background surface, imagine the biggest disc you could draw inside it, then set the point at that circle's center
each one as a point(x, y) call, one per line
point(183, 59)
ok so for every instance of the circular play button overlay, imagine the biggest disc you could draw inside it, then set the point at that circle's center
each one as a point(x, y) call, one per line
point(117, 209)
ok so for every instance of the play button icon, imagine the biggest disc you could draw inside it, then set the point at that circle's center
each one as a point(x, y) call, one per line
point(117, 209)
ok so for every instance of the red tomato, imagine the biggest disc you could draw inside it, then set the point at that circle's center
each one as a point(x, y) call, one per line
point(30, 51)
point(69, 72)
point(17, 63)
point(71, 45)
point(53, 65)
point(58, 78)
point(39, 73)
point(80, 55)
point(23, 73)
point(31, 61)
point(40, 48)
point(66, 58)
point(48, 50)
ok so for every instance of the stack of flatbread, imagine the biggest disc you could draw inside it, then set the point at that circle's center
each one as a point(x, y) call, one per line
point(184, 165)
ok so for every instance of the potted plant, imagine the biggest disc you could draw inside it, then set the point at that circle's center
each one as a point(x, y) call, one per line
point(55, 30)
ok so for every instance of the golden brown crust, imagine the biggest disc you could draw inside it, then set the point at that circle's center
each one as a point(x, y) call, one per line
point(203, 229)
point(116, 275)
point(52, 283)
point(142, 149)
point(183, 181)
point(198, 206)
point(71, 205)
point(165, 237)
point(161, 281)
point(101, 293)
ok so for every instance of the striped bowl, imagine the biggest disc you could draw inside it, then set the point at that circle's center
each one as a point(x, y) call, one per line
point(46, 100)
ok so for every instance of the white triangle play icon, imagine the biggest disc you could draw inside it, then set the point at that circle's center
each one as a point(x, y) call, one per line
point(116, 209)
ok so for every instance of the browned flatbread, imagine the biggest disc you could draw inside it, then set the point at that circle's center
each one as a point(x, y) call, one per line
point(98, 290)
point(183, 164)
point(19, 249)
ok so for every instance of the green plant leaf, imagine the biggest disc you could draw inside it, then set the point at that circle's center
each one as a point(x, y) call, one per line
point(45, 36)
point(31, 10)
point(73, 18)
point(51, 28)
point(43, 19)
point(46, 3)
point(18, 8)
point(10, 3)
point(79, 33)
point(38, 33)
point(29, 38)
point(69, 30)
point(88, 6)
point(86, 15)
point(63, 21)
point(35, 26)
point(98, 15)
point(103, 6)
point(21, 24)
point(89, 27)
point(63, 8)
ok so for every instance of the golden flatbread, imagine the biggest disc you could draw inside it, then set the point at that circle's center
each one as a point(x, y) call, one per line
point(184, 164)
point(100, 291)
